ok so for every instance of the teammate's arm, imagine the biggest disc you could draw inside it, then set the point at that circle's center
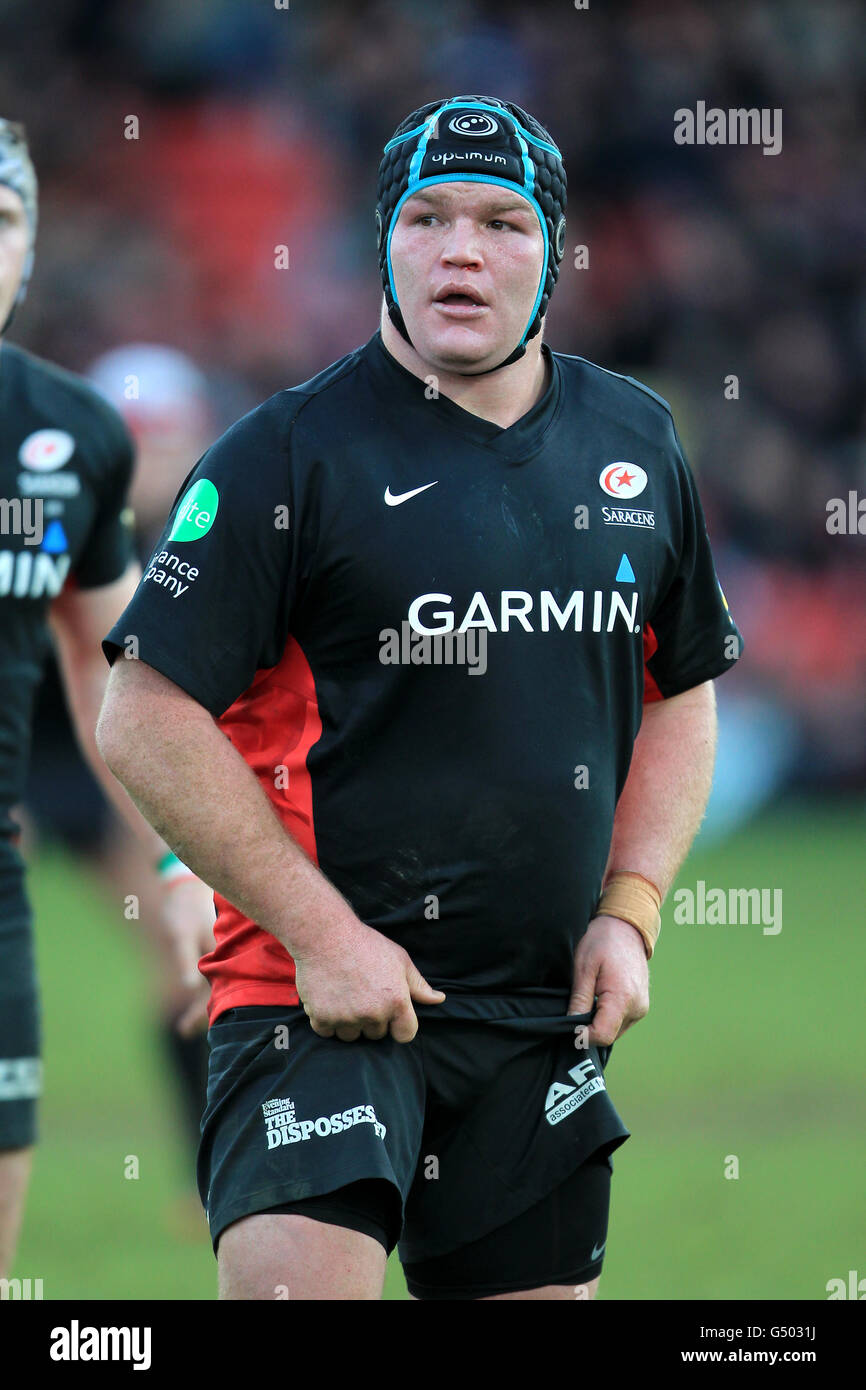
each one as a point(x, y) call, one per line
point(78, 619)
point(657, 817)
point(199, 793)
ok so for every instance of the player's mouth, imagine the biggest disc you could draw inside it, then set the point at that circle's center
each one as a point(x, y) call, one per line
point(459, 301)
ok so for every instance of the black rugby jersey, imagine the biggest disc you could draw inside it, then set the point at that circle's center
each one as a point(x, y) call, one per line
point(65, 466)
point(431, 638)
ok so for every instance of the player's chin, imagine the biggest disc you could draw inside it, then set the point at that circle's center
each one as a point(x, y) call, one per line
point(462, 348)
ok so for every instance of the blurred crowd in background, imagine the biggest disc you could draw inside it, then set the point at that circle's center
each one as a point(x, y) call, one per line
point(260, 126)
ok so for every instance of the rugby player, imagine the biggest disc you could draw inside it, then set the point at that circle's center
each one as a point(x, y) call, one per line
point(438, 871)
point(65, 572)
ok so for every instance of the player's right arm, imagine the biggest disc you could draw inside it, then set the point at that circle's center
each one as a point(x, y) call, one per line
point(195, 789)
point(183, 651)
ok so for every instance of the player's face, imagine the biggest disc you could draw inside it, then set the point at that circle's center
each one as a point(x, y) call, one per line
point(467, 261)
point(14, 242)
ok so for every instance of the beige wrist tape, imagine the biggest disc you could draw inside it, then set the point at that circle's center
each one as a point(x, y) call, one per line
point(632, 898)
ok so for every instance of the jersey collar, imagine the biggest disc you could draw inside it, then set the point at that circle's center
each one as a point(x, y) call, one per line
point(517, 442)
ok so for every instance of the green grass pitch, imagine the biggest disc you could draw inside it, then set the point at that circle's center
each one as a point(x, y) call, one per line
point(753, 1047)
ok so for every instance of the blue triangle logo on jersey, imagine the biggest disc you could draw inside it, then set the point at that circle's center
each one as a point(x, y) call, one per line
point(625, 573)
point(54, 539)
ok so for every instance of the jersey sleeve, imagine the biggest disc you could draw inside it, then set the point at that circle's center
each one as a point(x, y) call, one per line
point(691, 635)
point(215, 600)
point(110, 548)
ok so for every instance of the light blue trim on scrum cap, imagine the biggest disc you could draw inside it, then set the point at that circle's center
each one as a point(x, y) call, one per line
point(526, 191)
point(476, 178)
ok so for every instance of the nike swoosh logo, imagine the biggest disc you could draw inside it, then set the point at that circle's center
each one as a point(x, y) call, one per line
point(393, 501)
point(597, 1250)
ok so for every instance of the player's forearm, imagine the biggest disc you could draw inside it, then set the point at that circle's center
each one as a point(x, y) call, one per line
point(199, 794)
point(78, 617)
point(668, 785)
point(85, 688)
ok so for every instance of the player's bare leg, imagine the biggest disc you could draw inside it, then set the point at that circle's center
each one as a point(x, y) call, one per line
point(293, 1257)
point(15, 1165)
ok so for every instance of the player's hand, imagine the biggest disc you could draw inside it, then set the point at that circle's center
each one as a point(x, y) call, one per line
point(187, 912)
point(356, 982)
point(610, 962)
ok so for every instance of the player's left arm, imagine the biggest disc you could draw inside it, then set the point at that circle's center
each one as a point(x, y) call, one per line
point(657, 817)
point(690, 638)
point(79, 618)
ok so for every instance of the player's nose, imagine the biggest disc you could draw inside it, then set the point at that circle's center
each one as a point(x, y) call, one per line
point(462, 244)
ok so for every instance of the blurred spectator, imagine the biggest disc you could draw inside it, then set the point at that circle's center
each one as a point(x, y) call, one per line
point(261, 128)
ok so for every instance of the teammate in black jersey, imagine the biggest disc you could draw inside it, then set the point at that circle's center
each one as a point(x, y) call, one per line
point(65, 571)
point(424, 687)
